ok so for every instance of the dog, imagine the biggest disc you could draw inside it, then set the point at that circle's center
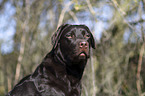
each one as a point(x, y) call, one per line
point(61, 70)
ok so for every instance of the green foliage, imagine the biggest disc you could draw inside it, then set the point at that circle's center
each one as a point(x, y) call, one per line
point(113, 66)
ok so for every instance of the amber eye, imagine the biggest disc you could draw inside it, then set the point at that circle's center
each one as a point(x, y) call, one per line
point(69, 36)
point(87, 36)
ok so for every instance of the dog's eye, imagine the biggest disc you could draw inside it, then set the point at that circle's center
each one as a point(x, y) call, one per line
point(69, 36)
point(87, 36)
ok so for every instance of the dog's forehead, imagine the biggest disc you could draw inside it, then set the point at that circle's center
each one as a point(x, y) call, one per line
point(75, 28)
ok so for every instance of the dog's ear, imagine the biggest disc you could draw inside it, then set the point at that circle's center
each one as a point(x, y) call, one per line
point(56, 36)
point(92, 40)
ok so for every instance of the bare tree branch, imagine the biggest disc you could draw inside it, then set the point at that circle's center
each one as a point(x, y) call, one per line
point(66, 7)
point(23, 41)
point(122, 13)
point(86, 92)
point(22, 48)
point(143, 94)
point(90, 7)
point(138, 21)
point(143, 1)
point(74, 16)
point(117, 5)
point(9, 84)
point(139, 69)
point(2, 4)
point(93, 75)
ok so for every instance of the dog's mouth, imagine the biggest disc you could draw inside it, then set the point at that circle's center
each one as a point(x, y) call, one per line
point(82, 55)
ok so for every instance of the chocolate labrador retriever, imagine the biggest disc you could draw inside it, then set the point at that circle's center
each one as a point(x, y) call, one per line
point(61, 70)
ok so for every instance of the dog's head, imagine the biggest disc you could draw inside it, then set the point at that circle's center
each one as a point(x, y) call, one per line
point(74, 41)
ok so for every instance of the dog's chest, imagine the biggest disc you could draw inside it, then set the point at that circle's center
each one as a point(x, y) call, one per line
point(57, 87)
point(53, 91)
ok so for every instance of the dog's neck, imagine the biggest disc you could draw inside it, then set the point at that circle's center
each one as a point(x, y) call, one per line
point(74, 69)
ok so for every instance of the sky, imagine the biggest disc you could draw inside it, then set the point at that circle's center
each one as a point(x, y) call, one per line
point(7, 28)
point(7, 25)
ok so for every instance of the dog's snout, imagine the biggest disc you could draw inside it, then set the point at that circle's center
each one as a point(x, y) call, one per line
point(83, 44)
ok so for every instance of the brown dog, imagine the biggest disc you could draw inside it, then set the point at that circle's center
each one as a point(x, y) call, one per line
point(61, 71)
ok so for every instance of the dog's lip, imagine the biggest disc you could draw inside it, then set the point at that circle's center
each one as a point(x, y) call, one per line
point(82, 54)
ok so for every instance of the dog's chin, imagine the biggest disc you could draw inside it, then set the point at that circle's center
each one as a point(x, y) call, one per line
point(79, 57)
point(82, 56)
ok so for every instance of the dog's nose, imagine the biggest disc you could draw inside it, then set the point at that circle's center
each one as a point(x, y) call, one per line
point(83, 44)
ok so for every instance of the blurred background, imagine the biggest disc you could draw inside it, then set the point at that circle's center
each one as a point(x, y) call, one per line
point(117, 65)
